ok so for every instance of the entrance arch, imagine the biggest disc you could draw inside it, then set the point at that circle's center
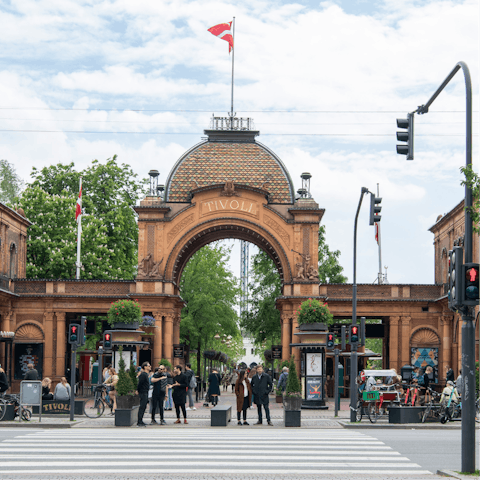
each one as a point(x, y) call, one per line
point(229, 186)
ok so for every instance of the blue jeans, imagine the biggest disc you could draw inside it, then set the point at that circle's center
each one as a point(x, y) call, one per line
point(169, 401)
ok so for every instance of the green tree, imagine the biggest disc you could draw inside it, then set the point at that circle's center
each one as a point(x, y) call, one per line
point(293, 388)
point(124, 385)
point(110, 232)
point(10, 183)
point(210, 291)
point(329, 270)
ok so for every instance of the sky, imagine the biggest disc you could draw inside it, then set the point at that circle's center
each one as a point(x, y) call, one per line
point(323, 81)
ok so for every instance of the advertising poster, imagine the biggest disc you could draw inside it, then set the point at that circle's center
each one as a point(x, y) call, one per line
point(314, 388)
point(26, 353)
point(314, 364)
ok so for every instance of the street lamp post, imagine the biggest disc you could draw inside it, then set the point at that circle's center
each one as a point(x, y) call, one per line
point(468, 330)
point(354, 356)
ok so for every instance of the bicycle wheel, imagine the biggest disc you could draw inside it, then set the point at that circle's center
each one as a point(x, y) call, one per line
point(372, 412)
point(359, 412)
point(426, 413)
point(94, 408)
point(3, 408)
point(26, 414)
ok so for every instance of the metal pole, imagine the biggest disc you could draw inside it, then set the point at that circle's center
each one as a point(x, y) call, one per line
point(379, 242)
point(354, 357)
point(79, 234)
point(100, 365)
point(233, 65)
point(335, 389)
point(468, 330)
point(72, 382)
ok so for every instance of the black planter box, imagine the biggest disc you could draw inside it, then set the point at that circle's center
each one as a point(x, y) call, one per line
point(10, 413)
point(126, 402)
point(292, 418)
point(59, 407)
point(126, 418)
point(125, 326)
point(405, 414)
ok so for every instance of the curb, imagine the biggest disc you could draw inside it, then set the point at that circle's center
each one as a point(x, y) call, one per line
point(36, 425)
point(453, 474)
point(397, 426)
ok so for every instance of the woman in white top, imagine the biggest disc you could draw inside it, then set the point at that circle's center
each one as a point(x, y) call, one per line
point(62, 390)
point(111, 381)
point(243, 391)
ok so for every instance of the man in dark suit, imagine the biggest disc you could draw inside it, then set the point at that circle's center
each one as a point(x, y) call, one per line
point(261, 386)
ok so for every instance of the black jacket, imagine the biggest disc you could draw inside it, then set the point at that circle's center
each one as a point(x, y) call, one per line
point(160, 386)
point(179, 394)
point(3, 382)
point(261, 387)
point(31, 375)
point(143, 383)
point(214, 384)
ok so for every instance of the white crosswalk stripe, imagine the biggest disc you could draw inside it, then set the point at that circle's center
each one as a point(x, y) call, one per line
point(212, 451)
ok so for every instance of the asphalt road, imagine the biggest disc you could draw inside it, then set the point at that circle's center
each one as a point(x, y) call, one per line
point(250, 453)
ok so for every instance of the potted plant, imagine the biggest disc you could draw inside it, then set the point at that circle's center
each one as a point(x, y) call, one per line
point(292, 399)
point(278, 395)
point(314, 315)
point(126, 399)
point(147, 321)
point(125, 314)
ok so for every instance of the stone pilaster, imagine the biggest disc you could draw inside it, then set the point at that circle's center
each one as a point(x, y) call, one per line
point(61, 343)
point(394, 341)
point(405, 352)
point(286, 335)
point(158, 339)
point(48, 353)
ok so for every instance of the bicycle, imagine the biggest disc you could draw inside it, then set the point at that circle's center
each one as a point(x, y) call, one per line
point(95, 407)
point(14, 399)
point(433, 410)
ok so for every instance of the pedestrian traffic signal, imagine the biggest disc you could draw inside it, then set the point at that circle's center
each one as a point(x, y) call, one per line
point(455, 279)
point(406, 123)
point(107, 341)
point(353, 334)
point(375, 209)
point(330, 340)
point(73, 334)
point(470, 278)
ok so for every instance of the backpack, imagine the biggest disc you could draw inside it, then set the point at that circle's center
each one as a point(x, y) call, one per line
point(421, 380)
point(193, 383)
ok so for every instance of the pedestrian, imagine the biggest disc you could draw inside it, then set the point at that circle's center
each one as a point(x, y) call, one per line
point(192, 384)
point(233, 379)
point(3, 381)
point(46, 384)
point(450, 376)
point(159, 382)
point(179, 395)
point(111, 383)
point(243, 391)
point(105, 375)
point(169, 399)
point(261, 387)
point(459, 383)
point(251, 374)
point(214, 387)
point(142, 390)
point(62, 390)
point(31, 374)
point(449, 391)
point(282, 381)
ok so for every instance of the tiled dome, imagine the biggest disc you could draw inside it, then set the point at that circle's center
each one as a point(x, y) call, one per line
point(245, 163)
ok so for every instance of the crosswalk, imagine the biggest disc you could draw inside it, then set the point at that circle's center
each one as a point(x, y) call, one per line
point(201, 451)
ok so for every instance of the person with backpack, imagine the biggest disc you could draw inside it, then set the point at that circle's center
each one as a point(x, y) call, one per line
point(282, 381)
point(192, 385)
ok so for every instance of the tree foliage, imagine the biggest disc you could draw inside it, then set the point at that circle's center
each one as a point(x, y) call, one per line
point(210, 291)
point(10, 183)
point(472, 181)
point(329, 269)
point(293, 388)
point(124, 385)
point(109, 228)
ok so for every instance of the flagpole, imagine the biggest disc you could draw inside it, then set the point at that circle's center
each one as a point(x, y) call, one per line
point(79, 233)
point(233, 67)
point(379, 241)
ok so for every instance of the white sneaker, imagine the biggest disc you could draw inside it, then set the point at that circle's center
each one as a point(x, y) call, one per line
point(193, 408)
point(188, 408)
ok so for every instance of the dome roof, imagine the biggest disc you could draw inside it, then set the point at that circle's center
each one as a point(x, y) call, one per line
point(243, 162)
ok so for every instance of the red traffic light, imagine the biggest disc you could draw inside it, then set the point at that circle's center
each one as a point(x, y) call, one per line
point(330, 337)
point(107, 336)
point(472, 275)
point(354, 330)
point(74, 329)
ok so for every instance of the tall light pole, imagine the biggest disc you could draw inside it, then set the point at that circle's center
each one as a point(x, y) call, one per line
point(468, 329)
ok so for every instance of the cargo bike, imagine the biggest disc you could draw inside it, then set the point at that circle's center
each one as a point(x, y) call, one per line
point(376, 401)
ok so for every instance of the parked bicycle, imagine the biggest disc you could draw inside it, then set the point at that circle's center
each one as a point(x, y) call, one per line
point(433, 408)
point(12, 399)
point(95, 407)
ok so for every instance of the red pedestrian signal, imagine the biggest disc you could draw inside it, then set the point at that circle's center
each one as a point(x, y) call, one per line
point(471, 283)
point(73, 333)
point(330, 340)
point(107, 341)
point(353, 334)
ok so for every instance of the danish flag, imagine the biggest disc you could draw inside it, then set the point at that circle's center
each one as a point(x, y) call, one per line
point(78, 209)
point(223, 31)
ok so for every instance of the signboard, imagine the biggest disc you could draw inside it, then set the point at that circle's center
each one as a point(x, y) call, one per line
point(178, 351)
point(26, 353)
point(314, 388)
point(31, 392)
point(276, 352)
point(314, 364)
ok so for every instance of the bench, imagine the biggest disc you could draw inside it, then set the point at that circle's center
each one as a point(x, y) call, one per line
point(59, 407)
point(221, 415)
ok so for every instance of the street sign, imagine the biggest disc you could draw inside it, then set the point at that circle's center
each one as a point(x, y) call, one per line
point(276, 352)
point(178, 351)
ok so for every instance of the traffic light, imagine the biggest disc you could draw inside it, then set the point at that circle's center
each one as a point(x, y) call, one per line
point(73, 333)
point(455, 278)
point(330, 340)
point(375, 208)
point(83, 331)
point(406, 123)
point(353, 334)
point(470, 278)
point(107, 340)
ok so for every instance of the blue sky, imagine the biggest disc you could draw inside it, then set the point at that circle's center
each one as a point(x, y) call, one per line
point(339, 71)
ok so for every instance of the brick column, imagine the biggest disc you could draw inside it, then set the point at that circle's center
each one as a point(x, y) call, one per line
point(394, 341)
point(446, 335)
point(168, 337)
point(176, 329)
point(405, 353)
point(158, 338)
point(61, 343)
point(295, 350)
point(49, 353)
point(286, 335)
point(5, 326)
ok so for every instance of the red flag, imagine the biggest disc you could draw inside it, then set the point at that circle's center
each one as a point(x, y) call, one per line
point(223, 31)
point(78, 209)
